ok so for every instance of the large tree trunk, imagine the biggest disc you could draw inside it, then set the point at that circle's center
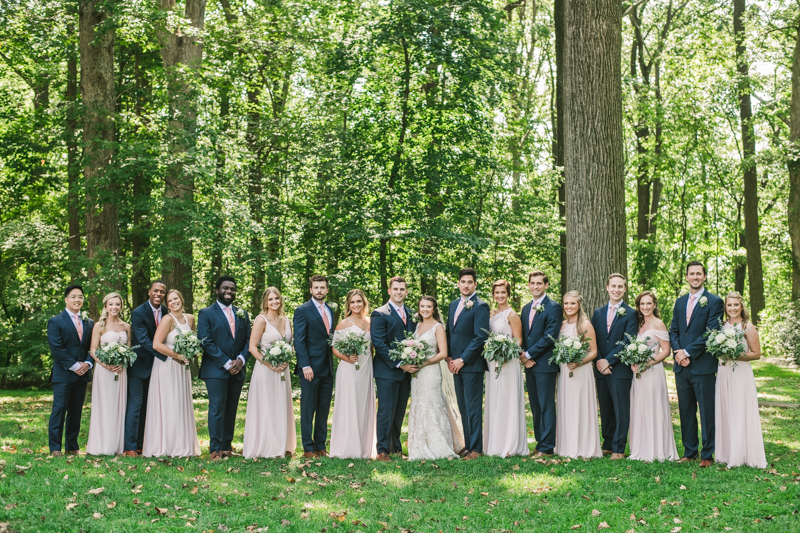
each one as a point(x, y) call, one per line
point(73, 168)
point(255, 192)
point(140, 278)
point(97, 92)
point(593, 149)
point(182, 54)
point(558, 15)
point(794, 171)
point(751, 224)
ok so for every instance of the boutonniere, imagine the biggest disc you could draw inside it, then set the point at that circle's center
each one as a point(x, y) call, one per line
point(84, 315)
point(239, 312)
point(703, 301)
point(622, 311)
point(416, 318)
point(539, 308)
point(334, 306)
point(469, 304)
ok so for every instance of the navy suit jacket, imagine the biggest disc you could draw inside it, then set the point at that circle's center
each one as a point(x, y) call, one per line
point(219, 346)
point(539, 340)
point(467, 337)
point(311, 340)
point(690, 337)
point(607, 347)
point(143, 329)
point(385, 329)
point(67, 348)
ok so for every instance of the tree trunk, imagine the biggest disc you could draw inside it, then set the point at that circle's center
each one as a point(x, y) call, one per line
point(740, 264)
point(751, 224)
point(794, 171)
point(558, 14)
point(97, 92)
point(140, 276)
point(593, 147)
point(73, 168)
point(255, 187)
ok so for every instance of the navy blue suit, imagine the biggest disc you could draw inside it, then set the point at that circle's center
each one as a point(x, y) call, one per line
point(392, 385)
point(697, 382)
point(224, 389)
point(143, 329)
point(614, 391)
point(312, 349)
point(69, 389)
point(465, 340)
point(538, 341)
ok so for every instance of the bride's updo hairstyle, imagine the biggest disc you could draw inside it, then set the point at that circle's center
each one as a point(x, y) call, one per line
point(436, 316)
point(350, 294)
point(104, 315)
point(656, 312)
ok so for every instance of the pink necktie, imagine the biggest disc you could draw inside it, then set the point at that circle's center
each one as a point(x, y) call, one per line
point(458, 311)
point(78, 326)
point(402, 314)
point(534, 305)
point(690, 309)
point(157, 316)
point(324, 317)
point(610, 317)
point(231, 321)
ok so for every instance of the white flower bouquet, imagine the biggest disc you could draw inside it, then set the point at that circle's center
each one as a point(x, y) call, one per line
point(115, 354)
point(500, 348)
point(637, 352)
point(568, 350)
point(279, 352)
point(350, 343)
point(410, 351)
point(187, 345)
point(725, 344)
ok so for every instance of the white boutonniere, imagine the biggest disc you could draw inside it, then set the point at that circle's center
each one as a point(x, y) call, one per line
point(469, 304)
point(84, 315)
point(416, 318)
point(703, 301)
point(334, 306)
point(539, 308)
point(622, 311)
point(239, 312)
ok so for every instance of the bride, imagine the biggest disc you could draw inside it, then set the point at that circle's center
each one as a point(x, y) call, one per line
point(433, 423)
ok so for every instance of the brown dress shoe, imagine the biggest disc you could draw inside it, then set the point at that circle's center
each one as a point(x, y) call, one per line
point(322, 453)
point(617, 456)
point(216, 456)
point(542, 454)
point(130, 453)
point(226, 453)
point(462, 452)
point(686, 459)
point(471, 455)
point(607, 452)
point(73, 452)
point(57, 453)
point(309, 455)
point(705, 463)
point(139, 451)
point(288, 454)
point(383, 457)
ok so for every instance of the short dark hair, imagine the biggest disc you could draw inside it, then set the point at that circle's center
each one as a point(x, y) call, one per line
point(318, 278)
point(397, 279)
point(225, 278)
point(468, 272)
point(161, 282)
point(696, 264)
point(537, 273)
point(71, 288)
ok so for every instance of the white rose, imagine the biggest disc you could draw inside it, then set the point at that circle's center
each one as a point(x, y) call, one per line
point(275, 351)
point(730, 333)
point(643, 348)
point(631, 347)
point(404, 357)
point(576, 343)
point(720, 338)
point(407, 350)
point(730, 343)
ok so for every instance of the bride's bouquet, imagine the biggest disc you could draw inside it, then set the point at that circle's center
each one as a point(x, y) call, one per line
point(500, 348)
point(351, 343)
point(187, 345)
point(637, 352)
point(568, 350)
point(279, 352)
point(410, 351)
point(115, 354)
point(725, 344)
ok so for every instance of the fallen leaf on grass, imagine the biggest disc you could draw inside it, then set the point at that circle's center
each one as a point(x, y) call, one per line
point(161, 510)
point(71, 506)
point(304, 515)
point(595, 512)
point(136, 501)
point(285, 522)
point(96, 491)
point(194, 490)
point(351, 465)
point(577, 526)
point(362, 501)
point(675, 529)
point(683, 487)
point(97, 516)
point(10, 506)
point(111, 505)
point(603, 525)
point(620, 500)
point(677, 521)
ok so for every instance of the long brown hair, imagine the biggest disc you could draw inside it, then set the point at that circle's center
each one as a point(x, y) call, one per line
point(745, 315)
point(436, 315)
point(656, 312)
point(350, 294)
point(581, 313)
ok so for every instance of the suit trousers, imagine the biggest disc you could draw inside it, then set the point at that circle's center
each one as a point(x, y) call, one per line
point(608, 420)
point(620, 390)
point(392, 402)
point(542, 396)
point(315, 404)
point(136, 412)
point(693, 391)
point(469, 393)
point(223, 401)
point(67, 402)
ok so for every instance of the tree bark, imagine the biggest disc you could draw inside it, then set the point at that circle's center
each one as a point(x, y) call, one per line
point(558, 15)
point(140, 278)
point(97, 92)
point(73, 168)
point(255, 187)
point(751, 223)
point(593, 147)
point(794, 171)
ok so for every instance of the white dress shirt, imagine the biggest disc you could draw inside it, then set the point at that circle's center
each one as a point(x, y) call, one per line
point(228, 365)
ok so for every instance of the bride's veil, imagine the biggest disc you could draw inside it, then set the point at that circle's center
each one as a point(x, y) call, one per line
point(451, 402)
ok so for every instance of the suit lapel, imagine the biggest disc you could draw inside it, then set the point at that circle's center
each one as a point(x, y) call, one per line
point(545, 301)
point(696, 309)
point(71, 326)
point(393, 312)
point(221, 313)
point(312, 307)
point(616, 316)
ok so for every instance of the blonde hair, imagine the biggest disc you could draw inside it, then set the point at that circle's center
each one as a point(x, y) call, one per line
point(104, 314)
point(350, 294)
point(265, 300)
point(745, 315)
point(581, 313)
point(180, 296)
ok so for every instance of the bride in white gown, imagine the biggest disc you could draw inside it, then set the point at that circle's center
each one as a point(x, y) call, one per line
point(434, 430)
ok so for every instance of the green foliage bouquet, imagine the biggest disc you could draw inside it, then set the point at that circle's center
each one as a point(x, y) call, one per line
point(637, 352)
point(279, 352)
point(725, 344)
point(115, 354)
point(350, 343)
point(187, 345)
point(569, 349)
point(411, 351)
point(500, 348)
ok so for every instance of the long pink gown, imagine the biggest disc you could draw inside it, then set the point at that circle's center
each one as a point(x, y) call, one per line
point(269, 425)
point(353, 428)
point(170, 429)
point(109, 399)
point(651, 436)
point(739, 440)
point(577, 431)
point(504, 429)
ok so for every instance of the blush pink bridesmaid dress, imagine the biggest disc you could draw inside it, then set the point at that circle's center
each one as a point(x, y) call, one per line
point(109, 399)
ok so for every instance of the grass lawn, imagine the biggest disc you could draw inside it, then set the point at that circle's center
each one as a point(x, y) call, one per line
point(40, 493)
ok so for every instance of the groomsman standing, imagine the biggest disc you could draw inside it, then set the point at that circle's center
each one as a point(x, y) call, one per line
point(695, 369)
point(313, 324)
point(467, 331)
point(541, 325)
point(144, 321)
point(390, 323)
point(611, 322)
point(69, 335)
point(225, 332)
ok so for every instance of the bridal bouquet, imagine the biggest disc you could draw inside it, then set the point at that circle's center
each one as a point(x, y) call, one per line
point(637, 352)
point(410, 351)
point(279, 352)
point(187, 345)
point(351, 343)
point(569, 350)
point(500, 348)
point(115, 354)
point(725, 344)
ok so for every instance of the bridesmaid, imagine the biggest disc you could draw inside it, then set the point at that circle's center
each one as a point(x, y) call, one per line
point(505, 432)
point(269, 427)
point(651, 435)
point(577, 431)
point(109, 397)
point(353, 429)
point(739, 440)
point(170, 428)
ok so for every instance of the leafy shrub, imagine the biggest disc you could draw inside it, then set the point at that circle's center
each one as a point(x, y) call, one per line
point(780, 332)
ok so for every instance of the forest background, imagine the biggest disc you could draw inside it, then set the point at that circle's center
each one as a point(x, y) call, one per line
point(275, 139)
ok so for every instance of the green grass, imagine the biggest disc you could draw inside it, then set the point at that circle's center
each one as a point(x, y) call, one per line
point(39, 493)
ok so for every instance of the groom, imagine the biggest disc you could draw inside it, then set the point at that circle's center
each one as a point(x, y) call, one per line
point(467, 331)
point(389, 324)
point(695, 369)
point(225, 332)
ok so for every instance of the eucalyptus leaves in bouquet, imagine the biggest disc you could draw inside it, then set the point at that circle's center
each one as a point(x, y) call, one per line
point(500, 348)
point(278, 353)
point(187, 345)
point(350, 343)
point(569, 349)
point(116, 354)
point(637, 352)
point(726, 344)
point(411, 351)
